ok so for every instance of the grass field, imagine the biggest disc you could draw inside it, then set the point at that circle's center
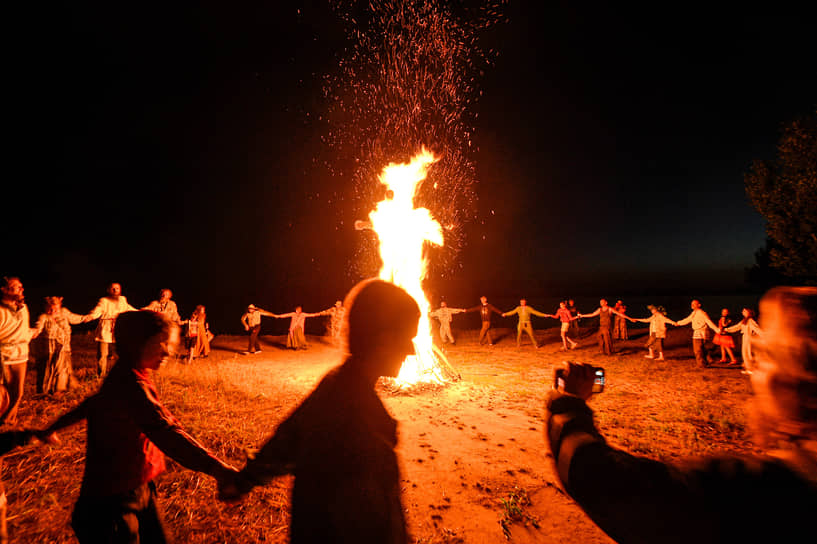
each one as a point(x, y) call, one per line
point(473, 459)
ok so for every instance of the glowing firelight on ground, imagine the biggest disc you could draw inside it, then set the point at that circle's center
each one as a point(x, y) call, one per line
point(403, 232)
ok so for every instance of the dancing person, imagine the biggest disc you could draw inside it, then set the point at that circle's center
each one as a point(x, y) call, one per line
point(445, 315)
point(52, 347)
point(15, 335)
point(129, 432)
point(763, 498)
point(658, 331)
point(564, 316)
point(165, 306)
point(620, 322)
point(485, 310)
point(335, 326)
point(106, 310)
point(699, 321)
point(524, 311)
point(748, 328)
point(296, 339)
point(724, 339)
point(340, 442)
point(197, 334)
point(9, 440)
point(574, 324)
point(252, 324)
point(605, 314)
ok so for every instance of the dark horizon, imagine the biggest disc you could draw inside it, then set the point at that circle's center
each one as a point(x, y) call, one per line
point(176, 150)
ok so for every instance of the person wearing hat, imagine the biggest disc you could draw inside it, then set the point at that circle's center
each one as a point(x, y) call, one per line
point(252, 324)
point(658, 331)
point(767, 497)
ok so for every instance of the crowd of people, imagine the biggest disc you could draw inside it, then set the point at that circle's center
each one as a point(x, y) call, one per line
point(339, 443)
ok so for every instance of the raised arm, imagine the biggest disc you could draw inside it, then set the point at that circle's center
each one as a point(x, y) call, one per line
point(597, 312)
point(514, 311)
point(537, 312)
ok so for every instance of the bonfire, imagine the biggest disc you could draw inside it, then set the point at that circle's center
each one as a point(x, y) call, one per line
point(404, 233)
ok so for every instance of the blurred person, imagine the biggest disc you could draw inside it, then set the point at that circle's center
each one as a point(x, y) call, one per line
point(574, 324)
point(620, 322)
point(129, 432)
point(9, 440)
point(445, 315)
point(334, 328)
point(605, 314)
point(699, 320)
point(52, 347)
point(165, 306)
point(296, 339)
point(15, 335)
point(339, 443)
point(524, 325)
point(197, 334)
point(252, 324)
point(106, 310)
point(761, 498)
point(485, 310)
point(658, 331)
point(748, 328)
point(565, 317)
point(724, 339)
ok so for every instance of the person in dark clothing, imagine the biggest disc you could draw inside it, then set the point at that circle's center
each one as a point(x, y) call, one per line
point(770, 498)
point(485, 310)
point(605, 314)
point(8, 441)
point(129, 432)
point(339, 443)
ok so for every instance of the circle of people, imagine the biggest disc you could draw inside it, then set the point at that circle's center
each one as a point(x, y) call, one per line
point(340, 441)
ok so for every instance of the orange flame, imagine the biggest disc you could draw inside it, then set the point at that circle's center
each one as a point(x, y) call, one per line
point(403, 231)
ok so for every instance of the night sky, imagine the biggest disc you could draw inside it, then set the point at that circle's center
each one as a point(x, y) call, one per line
point(176, 146)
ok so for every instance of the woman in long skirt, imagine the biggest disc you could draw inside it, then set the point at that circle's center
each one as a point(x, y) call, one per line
point(52, 347)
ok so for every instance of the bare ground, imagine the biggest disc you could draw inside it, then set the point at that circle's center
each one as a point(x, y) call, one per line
point(472, 452)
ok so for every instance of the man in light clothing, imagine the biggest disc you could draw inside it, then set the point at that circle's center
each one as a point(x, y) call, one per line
point(15, 334)
point(445, 315)
point(165, 306)
point(252, 324)
point(524, 311)
point(658, 331)
point(107, 309)
point(700, 321)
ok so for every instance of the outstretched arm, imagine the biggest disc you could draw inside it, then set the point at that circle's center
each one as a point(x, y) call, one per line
point(597, 312)
point(540, 314)
point(514, 311)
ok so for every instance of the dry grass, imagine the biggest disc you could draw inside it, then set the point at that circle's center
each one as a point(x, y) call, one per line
point(666, 411)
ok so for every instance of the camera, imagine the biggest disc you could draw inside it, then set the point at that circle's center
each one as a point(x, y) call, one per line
point(598, 379)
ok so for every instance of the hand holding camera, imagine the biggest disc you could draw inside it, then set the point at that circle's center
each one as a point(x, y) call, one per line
point(579, 379)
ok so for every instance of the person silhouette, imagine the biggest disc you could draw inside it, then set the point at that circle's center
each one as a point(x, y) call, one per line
point(339, 442)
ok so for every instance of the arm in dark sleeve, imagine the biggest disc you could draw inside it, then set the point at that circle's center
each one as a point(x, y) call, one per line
point(633, 499)
point(164, 430)
point(11, 439)
point(275, 458)
point(69, 418)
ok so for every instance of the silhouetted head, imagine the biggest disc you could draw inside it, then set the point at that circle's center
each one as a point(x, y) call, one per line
point(785, 378)
point(381, 322)
point(144, 339)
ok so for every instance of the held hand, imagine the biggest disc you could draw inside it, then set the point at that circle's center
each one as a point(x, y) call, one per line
point(228, 490)
point(578, 380)
point(47, 437)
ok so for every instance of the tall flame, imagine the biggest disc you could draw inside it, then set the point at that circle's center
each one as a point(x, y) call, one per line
point(403, 231)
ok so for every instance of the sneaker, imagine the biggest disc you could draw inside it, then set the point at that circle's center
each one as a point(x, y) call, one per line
point(245, 353)
point(574, 345)
point(649, 357)
point(660, 359)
